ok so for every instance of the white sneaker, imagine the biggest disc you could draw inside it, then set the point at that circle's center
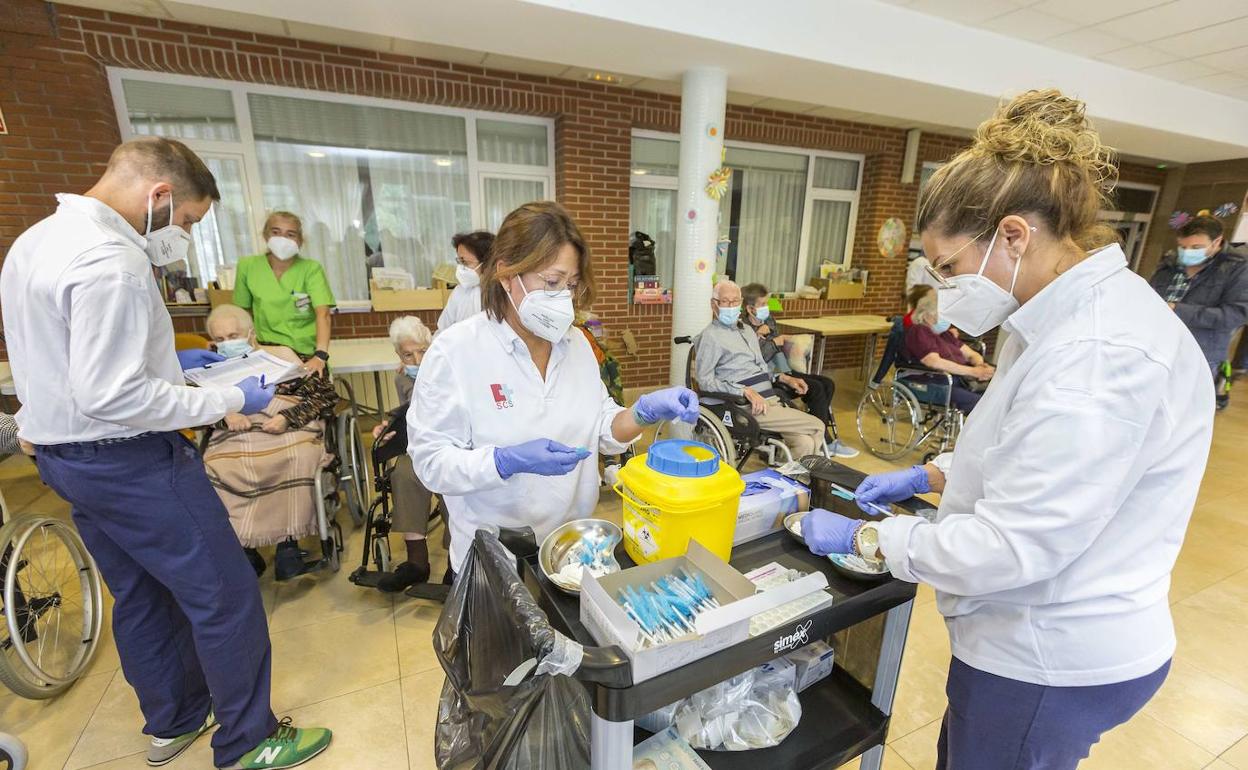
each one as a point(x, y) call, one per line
point(838, 448)
point(162, 751)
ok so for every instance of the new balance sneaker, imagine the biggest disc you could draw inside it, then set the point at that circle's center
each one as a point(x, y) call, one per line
point(162, 751)
point(837, 448)
point(287, 747)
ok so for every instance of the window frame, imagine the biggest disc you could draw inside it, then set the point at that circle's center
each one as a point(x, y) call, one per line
point(812, 193)
point(246, 144)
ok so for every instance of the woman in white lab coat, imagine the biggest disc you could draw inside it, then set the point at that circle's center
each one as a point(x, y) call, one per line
point(471, 251)
point(509, 413)
point(1065, 503)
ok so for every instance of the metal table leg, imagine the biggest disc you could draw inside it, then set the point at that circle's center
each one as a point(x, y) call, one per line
point(888, 669)
point(381, 409)
point(868, 357)
point(821, 348)
point(610, 744)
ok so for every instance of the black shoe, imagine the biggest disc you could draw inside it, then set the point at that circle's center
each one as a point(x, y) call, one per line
point(257, 561)
point(405, 575)
point(1222, 402)
point(288, 561)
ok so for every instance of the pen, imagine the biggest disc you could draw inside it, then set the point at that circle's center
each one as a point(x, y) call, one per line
point(841, 491)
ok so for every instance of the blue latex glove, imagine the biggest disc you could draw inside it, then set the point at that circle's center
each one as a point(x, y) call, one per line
point(826, 532)
point(255, 398)
point(541, 456)
point(667, 404)
point(891, 487)
point(197, 357)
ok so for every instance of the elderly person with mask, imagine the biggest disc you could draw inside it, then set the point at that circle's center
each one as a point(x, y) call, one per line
point(264, 465)
point(412, 500)
point(729, 360)
point(287, 293)
point(930, 341)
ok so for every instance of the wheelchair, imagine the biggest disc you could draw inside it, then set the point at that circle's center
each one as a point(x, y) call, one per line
point(388, 448)
point(726, 423)
point(911, 411)
point(52, 601)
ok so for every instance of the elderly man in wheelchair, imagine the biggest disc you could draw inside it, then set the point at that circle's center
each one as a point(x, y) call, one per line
point(268, 467)
point(737, 388)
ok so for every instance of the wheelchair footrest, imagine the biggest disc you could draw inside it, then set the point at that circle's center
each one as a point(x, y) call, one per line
point(365, 578)
point(434, 592)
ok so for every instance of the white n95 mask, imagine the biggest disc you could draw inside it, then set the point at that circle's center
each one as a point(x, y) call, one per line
point(282, 247)
point(976, 304)
point(168, 244)
point(549, 317)
point(467, 277)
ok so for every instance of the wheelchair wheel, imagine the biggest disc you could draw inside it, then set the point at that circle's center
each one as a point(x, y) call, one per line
point(889, 420)
point(708, 430)
point(353, 471)
point(12, 753)
point(53, 606)
point(381, 553)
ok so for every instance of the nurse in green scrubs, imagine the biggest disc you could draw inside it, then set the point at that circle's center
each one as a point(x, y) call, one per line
point(288, 295)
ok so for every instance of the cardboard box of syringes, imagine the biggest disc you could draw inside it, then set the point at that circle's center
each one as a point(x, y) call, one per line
point(716, 628)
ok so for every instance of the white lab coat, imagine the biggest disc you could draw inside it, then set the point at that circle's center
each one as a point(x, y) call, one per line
point(1071, 487)
point(464, 301)
point(89, 338)
point(478, 389)
point(916, 273)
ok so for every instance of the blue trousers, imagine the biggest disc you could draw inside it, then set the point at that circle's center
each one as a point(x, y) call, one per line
point(994, 723)
point(188, 619)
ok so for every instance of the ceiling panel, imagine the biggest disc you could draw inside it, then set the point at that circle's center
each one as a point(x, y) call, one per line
point(1138, 57)
point(1221, 82)
point(152, 8)
point(658, 86)
point(438, 52)
point(786, 105)
point(1030, 25)
point(1181, 71)
point(1234, 60)
point(1223, 37)
point(1088, 41)
point(839, 114)
point(335, 36)
point(1178, 17)
point(744, 100)
point(1093, 11)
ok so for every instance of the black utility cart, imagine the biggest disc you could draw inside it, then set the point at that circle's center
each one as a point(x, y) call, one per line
point(844, 716)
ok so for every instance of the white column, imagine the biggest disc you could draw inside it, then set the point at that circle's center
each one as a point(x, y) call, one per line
point(703, 95)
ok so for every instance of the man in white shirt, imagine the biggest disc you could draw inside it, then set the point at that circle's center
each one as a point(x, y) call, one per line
point(102, 393)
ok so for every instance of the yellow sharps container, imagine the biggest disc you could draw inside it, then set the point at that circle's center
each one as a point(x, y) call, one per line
point(677, 492)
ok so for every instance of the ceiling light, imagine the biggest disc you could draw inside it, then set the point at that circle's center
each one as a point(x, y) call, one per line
point(601, 77)
point(1161, 165)
point(442, 161)
point(316, 154)
point(639, 171)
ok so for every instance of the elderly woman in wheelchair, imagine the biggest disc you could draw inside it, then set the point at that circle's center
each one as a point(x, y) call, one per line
point(929, 341)
point(413, 502)
point(266, 467)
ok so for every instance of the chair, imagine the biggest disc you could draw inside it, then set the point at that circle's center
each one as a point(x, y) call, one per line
point(910, 411)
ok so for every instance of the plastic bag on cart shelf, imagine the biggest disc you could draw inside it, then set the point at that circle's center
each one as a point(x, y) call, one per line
point(753, 710)
point(508, 701)
point(666, 750)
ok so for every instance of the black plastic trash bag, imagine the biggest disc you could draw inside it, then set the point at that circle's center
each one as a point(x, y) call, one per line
point(508, 702)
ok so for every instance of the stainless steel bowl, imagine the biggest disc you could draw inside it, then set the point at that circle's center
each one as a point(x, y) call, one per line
point(793, 523)
point(553, 554)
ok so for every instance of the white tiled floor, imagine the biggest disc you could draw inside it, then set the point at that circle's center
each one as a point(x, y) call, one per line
point(361, 662)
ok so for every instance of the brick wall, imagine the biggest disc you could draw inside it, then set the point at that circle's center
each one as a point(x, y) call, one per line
point(55, 95)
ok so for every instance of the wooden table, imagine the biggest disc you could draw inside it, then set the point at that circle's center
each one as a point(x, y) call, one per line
point(840, 326)
point(362, 355)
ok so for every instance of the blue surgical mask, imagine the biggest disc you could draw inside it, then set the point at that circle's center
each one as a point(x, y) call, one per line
point(411, 369)
point(941, 326)
point(1192, 257)
point(762, 313)
point(728, 316)
point(234, 348)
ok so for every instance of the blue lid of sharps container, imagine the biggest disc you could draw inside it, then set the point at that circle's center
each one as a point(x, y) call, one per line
point(687, 459)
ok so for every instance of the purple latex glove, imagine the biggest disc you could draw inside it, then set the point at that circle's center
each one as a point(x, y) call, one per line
point(884, 488)
point(541, 456)
point(255, 398)
point(667, 404)
point(197, 357)
point(826, 532)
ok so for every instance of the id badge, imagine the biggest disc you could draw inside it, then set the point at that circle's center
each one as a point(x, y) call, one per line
point(303, 302)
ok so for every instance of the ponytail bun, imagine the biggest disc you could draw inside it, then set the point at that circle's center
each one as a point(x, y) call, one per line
point(1037, 155)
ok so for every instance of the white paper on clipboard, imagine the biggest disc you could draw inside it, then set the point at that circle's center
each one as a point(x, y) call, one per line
point(224, 374)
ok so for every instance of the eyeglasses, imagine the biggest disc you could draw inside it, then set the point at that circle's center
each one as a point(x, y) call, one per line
point(942, 281)
point(553, 286)
point(460, 261)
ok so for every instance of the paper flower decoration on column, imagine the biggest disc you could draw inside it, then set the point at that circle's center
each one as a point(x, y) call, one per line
point(717, 182)
point(1178, 219)
point(1225, 210)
